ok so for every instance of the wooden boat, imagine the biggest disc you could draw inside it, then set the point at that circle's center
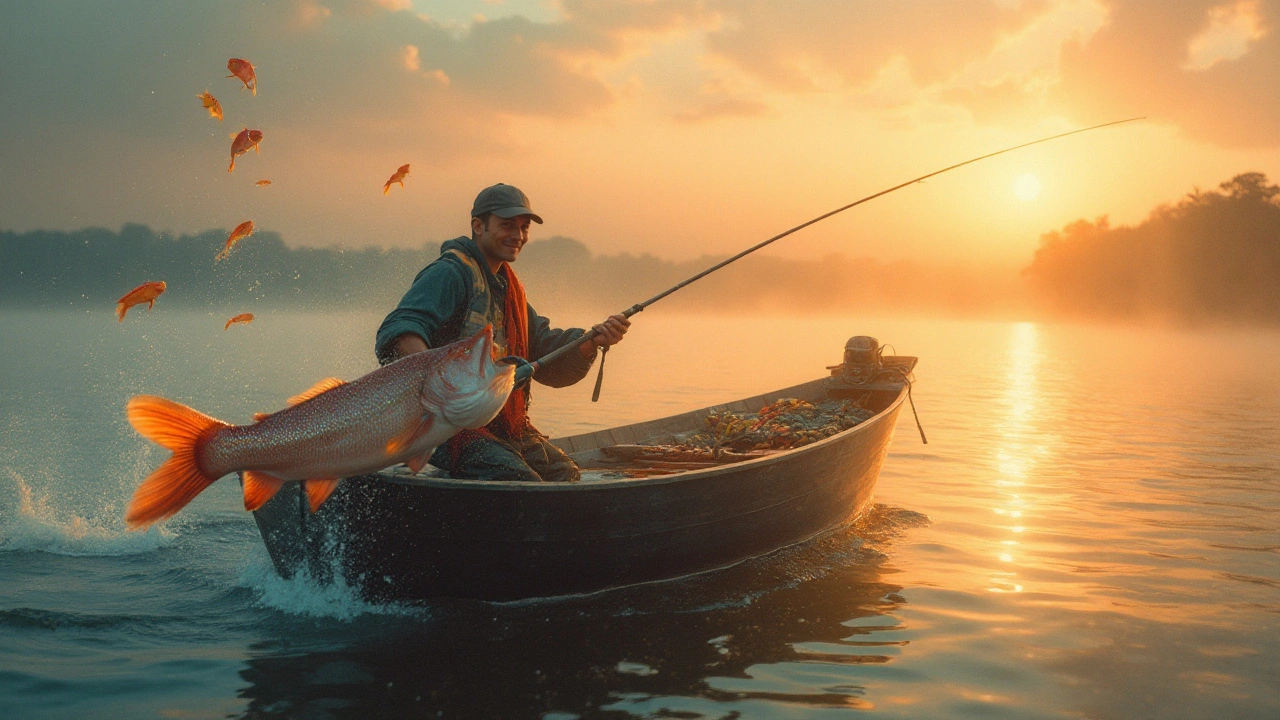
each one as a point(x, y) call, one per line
point(401, 536)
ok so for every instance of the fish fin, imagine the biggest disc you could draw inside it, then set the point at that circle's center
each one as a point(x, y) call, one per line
point(259, 487)
point(319, 490)
point(418, 462)
point(386, 189)
point(319, 388)
point(150, 305)
point(398, 443)
point(179, 479)
point(233, 165)
point(259, 417)
point(121, 309)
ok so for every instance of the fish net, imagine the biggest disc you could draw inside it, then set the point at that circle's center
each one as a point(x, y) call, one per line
point(729, 436)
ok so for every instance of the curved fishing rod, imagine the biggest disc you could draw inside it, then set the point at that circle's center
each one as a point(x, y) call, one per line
point(524, 372)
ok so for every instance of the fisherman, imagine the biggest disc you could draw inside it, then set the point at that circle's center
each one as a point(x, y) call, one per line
point(472, 285)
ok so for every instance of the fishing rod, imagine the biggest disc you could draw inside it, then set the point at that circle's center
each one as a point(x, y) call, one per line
point(526, 371)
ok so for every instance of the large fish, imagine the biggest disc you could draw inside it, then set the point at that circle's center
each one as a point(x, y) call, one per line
point(396, 414)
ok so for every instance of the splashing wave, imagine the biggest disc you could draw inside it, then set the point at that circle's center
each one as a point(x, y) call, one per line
point(305, 595)
point(37, 527)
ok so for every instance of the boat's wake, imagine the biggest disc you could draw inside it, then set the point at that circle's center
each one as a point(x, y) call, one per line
point(36, 526)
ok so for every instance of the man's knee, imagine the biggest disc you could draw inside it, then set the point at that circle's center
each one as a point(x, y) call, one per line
point(486, 459)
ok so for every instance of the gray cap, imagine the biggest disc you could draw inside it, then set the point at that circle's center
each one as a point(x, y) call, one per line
point(505, 201)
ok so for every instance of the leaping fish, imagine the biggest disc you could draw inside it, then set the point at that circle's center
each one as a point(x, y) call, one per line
point(242, 142)
point(243, 71)
point(396, 177)
point(396, 414)
point(241, 318)
point(242, 231)
point(147, 293)
point(211, 104)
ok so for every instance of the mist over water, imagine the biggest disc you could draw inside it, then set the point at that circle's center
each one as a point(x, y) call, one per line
point(1091, 531)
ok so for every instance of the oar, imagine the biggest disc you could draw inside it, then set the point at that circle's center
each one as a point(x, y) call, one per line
point(526, 371)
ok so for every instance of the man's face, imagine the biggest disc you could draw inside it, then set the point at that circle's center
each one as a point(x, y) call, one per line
point(500, 239)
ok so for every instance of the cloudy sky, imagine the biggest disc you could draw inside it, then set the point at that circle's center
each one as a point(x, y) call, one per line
point(675, 127)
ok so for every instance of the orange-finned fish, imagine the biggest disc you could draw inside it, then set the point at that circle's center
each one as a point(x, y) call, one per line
point(263, 183)
point(147, 292)
point(397, 413)
point(242, 142)
point(211, 104)
point(243, 71)
point(242, 231)
point(241, 318)
point(396, 177)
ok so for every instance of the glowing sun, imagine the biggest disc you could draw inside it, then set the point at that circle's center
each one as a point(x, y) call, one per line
point(1026, 187)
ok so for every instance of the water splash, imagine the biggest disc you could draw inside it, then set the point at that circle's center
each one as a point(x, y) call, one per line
point(303, 594)
point(37, 527)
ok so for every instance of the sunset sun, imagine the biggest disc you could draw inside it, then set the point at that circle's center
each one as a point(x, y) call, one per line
point(1026, 187)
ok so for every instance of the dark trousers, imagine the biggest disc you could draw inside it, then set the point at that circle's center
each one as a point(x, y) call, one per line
point(531, 458)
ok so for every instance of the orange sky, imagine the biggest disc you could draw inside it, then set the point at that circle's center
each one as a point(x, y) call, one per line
point(675, 127)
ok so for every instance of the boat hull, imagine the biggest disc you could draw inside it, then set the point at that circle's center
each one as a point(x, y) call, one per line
point(401, 538)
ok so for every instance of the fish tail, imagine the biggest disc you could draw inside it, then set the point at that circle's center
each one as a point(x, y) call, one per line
point(179, 479)
point(121, 309)
point(233, 164)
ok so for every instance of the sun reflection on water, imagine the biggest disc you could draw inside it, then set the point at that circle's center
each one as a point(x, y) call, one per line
point(1019, 451)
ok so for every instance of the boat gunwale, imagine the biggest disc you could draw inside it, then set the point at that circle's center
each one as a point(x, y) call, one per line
point(680, 476)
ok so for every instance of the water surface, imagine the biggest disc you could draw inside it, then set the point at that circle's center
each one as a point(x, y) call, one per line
point(1092, 531)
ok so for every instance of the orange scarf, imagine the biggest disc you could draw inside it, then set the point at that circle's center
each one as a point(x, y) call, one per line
point(513, 420)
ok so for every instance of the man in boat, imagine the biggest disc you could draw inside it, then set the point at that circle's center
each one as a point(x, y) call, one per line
point(472, 285)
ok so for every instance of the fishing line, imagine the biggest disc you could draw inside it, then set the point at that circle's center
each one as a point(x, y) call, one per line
point(524, 372)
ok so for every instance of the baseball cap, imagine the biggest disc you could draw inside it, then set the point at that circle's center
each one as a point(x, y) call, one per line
point(505, 201)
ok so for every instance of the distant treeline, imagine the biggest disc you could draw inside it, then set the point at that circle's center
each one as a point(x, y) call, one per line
point(1213, 256)
point(92, 268)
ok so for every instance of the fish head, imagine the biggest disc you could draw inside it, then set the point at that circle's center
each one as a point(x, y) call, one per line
point(158, 286)
point(255, 136)
point(465, 384)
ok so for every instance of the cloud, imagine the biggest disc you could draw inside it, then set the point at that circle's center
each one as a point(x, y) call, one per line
point(1227, 36)
point(803, 45)
point(1210, 68)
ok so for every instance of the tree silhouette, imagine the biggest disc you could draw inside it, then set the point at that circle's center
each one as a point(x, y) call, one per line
point(1212, 256)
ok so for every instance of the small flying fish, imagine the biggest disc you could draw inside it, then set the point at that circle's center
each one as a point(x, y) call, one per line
point(242, 142)
point(242, 231)
point(211, 104)
point(241, 318)
point(263, 183)
point(396, 177)
point(242, 70)
point(147, 292)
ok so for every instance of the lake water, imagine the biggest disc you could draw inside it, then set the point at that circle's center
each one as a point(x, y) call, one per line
point(1091, 532)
